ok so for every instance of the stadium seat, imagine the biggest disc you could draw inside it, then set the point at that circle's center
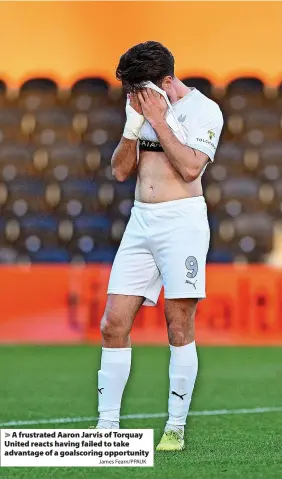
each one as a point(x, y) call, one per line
point(8, 255)
point(65, 154)
point(18, 157)
point(101, 255)
point(40, 223)
point(10, 124)
point(202, 84)
point(28, 189)
point(89, 93)
point(92, 85)
point(38, 93)
point(104, 124)
point(240, 187)
point(98, 226)
point(244, 92)
point(3, 93)
point(75, 191)
point(125, 189)
point(230, 154)
point(51, 255)
point(220, 256)
point(271, 153)
point(106, 150)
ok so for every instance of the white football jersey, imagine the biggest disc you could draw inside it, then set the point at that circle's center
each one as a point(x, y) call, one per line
point(201, 121)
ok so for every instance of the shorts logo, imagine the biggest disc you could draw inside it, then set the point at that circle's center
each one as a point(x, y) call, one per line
point(192, 266)
point(190, 282)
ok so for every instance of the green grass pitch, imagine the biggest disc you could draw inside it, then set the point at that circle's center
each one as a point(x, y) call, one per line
point(39, 382)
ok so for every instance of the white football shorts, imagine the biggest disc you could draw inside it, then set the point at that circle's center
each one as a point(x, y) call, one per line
point(164, 244)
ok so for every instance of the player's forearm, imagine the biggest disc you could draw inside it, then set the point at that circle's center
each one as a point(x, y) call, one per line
point(124, 159)
point(182, 157)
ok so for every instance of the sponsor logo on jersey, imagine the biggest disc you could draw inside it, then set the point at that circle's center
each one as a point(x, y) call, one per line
point(149, 144)
point(211, 134)
point(201, 140)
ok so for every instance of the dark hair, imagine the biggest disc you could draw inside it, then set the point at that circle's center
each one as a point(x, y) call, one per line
point(149, 61)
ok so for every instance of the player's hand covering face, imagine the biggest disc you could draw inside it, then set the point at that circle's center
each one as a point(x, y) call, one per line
point(134, 102)
point(154, 106)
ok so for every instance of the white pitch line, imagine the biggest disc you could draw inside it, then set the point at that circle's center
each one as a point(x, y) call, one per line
point(215, 412)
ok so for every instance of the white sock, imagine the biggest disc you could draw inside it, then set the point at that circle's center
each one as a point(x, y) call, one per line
point(112, 379)
point(183, 370)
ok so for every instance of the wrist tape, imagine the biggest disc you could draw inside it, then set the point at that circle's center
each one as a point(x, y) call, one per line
point(134, 122)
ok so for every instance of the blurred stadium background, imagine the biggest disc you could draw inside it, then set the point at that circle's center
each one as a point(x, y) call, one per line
point(63, 215)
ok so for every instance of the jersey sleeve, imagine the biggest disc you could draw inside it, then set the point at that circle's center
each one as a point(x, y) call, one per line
point(204, 133)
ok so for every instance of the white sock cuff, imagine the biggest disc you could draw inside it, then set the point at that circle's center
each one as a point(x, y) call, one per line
point(116, 355)
point(116, 350)
point(184, 355)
